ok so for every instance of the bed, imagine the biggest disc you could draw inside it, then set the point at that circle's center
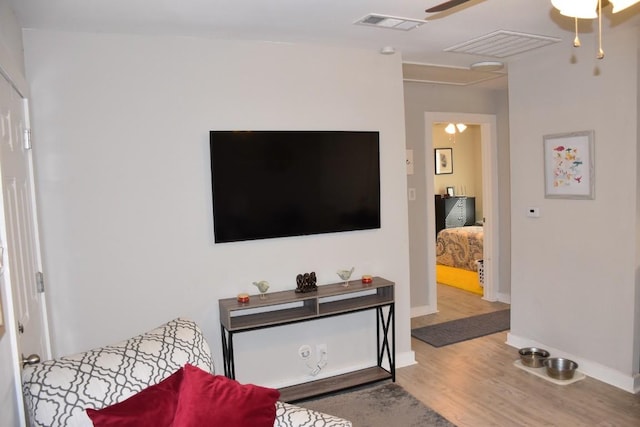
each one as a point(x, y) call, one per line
point(458, 251)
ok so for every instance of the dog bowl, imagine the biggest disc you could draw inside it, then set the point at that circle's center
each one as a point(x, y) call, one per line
point(533, 357)
point(560, 369)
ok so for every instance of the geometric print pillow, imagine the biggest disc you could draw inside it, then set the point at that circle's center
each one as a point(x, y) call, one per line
point(57, 392)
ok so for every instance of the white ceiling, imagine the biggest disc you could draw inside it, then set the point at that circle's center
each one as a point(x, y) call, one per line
point(320, 21)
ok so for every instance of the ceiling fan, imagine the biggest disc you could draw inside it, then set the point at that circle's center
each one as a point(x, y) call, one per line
point(453, 3)
point(445, 6)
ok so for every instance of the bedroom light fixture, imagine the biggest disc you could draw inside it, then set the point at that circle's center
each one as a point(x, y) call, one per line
point(451, 128)
point(589, 9)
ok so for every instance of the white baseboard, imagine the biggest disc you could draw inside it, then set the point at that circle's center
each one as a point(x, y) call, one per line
point(423, 310)
point(630, 383)
point(405, 359)
point(505, 298)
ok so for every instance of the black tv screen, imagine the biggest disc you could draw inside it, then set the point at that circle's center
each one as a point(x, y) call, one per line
point(269, 184)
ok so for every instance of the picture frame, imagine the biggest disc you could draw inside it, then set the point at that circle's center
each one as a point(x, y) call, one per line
point(569, 165)
point(444, 160)
point(451, 192)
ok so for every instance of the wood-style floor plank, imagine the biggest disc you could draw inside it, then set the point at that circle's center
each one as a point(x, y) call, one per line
point(475, 384)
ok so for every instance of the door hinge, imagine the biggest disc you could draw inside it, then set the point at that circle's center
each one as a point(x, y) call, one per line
point(40, 281)
point(27, 139)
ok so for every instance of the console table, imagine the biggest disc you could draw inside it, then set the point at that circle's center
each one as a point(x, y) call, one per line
point(286, 307)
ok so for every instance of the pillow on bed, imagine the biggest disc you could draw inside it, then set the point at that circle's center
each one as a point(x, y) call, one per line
point(215, 400)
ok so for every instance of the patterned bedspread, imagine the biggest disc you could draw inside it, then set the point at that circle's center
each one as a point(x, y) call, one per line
point(460, 247)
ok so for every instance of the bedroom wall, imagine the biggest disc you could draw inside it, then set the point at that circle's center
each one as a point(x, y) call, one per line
point(578, 297)
point(121, 125)
point(467, 163)
point(12, 64)
point(420, 98)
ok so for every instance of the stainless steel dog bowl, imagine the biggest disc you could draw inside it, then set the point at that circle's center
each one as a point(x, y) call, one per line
point(560, 369)
point(533, 357)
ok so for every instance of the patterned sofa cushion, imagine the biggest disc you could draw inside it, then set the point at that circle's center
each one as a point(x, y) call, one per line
point(57, 391)
point(288, 415)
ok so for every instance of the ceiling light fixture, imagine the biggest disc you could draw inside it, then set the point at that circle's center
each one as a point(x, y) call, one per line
point(452, 128)
point(589, 9)
point(487, 66)
point(388, 50)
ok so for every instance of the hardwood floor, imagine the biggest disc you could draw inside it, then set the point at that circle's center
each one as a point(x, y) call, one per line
point(475, 384)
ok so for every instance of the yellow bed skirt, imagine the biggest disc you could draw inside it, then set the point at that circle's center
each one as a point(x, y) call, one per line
point(459, 278)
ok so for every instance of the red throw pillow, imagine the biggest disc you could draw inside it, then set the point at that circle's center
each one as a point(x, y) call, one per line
point(154, 406)
point(215, 400)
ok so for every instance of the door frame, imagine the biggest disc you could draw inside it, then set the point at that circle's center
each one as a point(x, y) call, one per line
point(10, 71)
point(490, 201)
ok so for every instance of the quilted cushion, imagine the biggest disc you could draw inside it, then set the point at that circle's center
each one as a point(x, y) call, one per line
point(57, 391)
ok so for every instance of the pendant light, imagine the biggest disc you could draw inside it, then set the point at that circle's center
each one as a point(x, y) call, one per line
point(589, 9)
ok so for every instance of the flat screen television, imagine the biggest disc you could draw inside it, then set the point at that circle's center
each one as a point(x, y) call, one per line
point(269, 184)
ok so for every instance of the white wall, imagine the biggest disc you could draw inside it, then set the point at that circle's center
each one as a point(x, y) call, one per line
point(575, 269)
point(121, 126)
point(421, 98)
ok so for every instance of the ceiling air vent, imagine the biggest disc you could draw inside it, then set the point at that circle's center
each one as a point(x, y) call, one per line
point(502, 43)
point(390, 22)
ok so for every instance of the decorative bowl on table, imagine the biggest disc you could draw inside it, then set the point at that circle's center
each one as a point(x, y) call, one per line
point(345, 275)
point(533, 357)
point(560, 369)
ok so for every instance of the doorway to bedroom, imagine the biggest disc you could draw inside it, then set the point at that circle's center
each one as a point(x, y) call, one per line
point(458, 205)
point(424, 291)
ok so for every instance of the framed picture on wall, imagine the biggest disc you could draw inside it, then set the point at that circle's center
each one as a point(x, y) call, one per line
point(569, 165)
point(444, 160)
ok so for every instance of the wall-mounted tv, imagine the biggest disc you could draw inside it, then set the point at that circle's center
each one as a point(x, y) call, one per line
point(269, 184)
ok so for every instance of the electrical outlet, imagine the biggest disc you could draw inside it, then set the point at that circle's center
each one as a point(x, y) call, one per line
point(304, 351)
point(321, 351)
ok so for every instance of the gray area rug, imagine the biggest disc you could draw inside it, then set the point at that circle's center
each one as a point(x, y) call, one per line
point(387, 405)
point(454, 331)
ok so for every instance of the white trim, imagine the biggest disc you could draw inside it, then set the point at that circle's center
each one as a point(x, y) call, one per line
point(488, 132)
point(407, 358)
point(505, 298)
point(423, 310)
point(11, 321)
point(10, 70)
point(630, 383)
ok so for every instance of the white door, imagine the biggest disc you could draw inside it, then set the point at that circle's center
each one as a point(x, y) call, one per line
point(19, 239)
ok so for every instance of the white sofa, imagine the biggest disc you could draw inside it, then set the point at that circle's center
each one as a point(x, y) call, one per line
point(57, 392)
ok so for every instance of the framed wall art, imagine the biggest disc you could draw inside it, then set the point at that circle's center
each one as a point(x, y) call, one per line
point(569, 165)
point(444, 160)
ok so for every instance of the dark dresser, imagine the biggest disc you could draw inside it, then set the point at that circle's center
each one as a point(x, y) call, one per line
point(454, 212)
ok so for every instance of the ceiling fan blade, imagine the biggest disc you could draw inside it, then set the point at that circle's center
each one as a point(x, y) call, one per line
point(445, 6)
